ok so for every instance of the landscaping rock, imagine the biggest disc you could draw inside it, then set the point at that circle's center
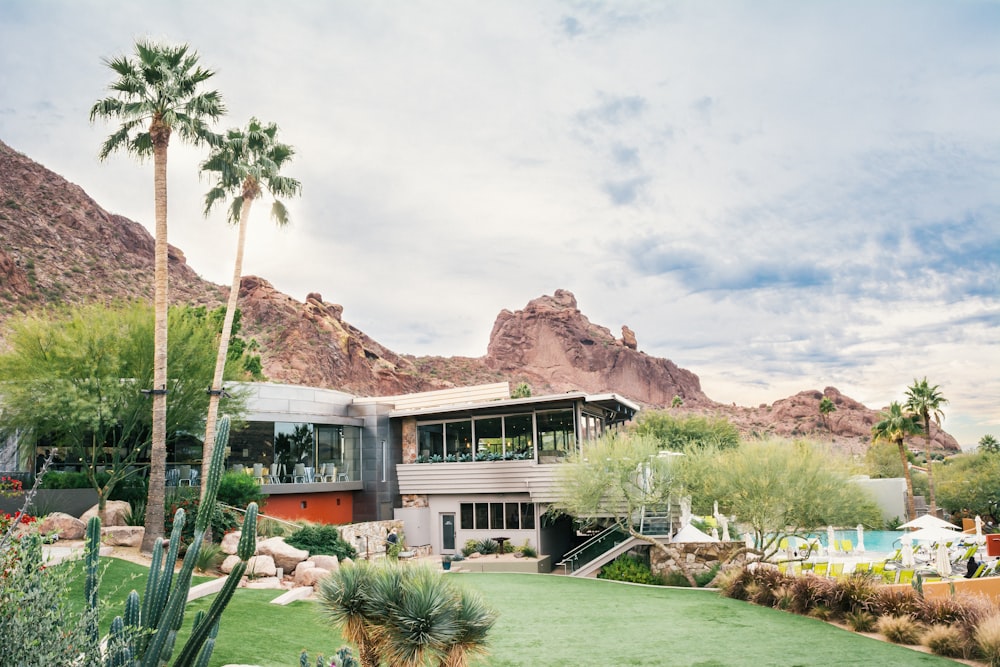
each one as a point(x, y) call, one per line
point(67, 527)
point(261, 566)
point(285, 556)
point(115, 512)
point(230, 542)
point(310, 576)
point(122, 536)
point(325, 561)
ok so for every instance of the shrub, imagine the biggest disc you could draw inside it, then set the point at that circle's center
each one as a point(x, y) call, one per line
point(860, 620)
point(210, 557)
point(705, 578)
point(629, 568)
point(987, 638)
point(239, 490)
point(900, 629)
point(223, 520)
point(487, 546)
point(470, 547)
point(893, 602)
point(940, 610)
point(322, 538)
point(732, 583)
point(856, 593)
point(528, 550)
point(948, 641)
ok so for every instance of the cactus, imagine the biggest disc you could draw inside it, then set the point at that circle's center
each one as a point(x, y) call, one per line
point(145, 636)
point(93, 580)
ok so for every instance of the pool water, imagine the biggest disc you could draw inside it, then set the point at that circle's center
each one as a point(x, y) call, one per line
point(875, 540)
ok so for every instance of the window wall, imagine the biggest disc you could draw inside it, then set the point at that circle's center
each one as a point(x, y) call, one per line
point(494, 438)
point(497, 516)
point(279, 446)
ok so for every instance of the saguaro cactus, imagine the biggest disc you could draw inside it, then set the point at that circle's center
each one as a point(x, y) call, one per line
point(145, 636)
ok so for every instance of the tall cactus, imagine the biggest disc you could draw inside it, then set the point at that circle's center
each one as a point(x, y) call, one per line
point(145, 636)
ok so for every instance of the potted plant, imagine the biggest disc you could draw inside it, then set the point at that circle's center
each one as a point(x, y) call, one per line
point(446, 562)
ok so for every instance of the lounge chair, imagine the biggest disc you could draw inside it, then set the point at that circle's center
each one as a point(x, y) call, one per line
point(905, 577)
point(820, 569)
point(862, 567)
point(979, 571)
point(807, 566)
point(889, 576)
point(878, 568)
point(847, 546)
point(836, 570)
point(783, 567)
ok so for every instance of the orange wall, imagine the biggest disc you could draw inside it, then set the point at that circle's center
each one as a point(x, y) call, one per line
point(335, 507)
point(988, 586)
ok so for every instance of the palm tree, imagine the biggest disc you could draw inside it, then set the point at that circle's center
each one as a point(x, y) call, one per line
point(894, 426)
point(157, 93)
point(244, 163)
point(925, 401)
point(989, 444)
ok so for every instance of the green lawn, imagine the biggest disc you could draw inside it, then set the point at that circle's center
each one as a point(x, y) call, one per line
point(554, 621)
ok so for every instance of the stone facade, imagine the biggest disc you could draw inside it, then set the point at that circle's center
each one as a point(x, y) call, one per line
point(409, 434)
point(700, 557)
point(372, 534)
point(415, 500)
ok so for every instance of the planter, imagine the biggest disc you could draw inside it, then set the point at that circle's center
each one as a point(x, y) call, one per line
point(71, 501)
point(446, 564)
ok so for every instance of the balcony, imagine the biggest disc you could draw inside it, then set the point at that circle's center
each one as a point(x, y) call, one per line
point(475, 477)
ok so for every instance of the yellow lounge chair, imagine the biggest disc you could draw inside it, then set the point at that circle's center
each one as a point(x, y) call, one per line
point(889, 576)
point(878, 568)
point(820, 569)
point(836, 570)
point(846, 546)
point(863, 567)
point(905, 577)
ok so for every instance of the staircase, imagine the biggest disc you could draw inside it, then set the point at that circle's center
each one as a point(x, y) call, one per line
point(588, 558)
point(593, 548)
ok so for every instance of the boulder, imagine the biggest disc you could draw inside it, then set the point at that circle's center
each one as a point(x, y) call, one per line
point(115, 512)
point(285, 556)
point(230, 541)
point(310, 576)
point(67, 527)
point(122, 536)
point(326, 562)
point(261, 566)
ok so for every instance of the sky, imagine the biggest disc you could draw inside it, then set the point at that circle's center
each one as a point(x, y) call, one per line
point(777, 196)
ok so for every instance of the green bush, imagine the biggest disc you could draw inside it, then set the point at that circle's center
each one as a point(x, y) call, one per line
point(131, 489)
point(239, 490)
point(631, 569)
point(900, 629)
point(223, 520)
point(322, 538)
point(860, 621)
point(487, 546)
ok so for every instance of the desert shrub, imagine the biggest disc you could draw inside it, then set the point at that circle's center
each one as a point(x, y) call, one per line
point(705, 578)
point(809, 592)
point(210, 557)
point(469, 547)
point(987, 636)
point(136, 514)
point(900, 629)
point(783, 597)
point(487, 546)
point(940, 610)
point(528, 551)
point(629, 568)
point(819, 612)
point(223, 520)
point(896, 602)
point(860, 620)
point(732, 583)
point(856, 593)
point(239, 490)
point(948, 641)
point(321, 538)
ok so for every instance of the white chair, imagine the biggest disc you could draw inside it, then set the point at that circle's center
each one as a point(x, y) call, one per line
point(184, 476)
point(345, 474)
point(299, 473)
point(258, 473)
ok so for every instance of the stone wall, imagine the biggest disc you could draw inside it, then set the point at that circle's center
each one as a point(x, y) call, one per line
point(415, 500)
point(700, 557)
point(409, 429)
point(372, 534)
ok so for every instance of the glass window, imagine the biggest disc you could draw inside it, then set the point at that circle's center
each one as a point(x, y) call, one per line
point(467, 516)
point(294, 443)
point(458, 441)
point(496, 515)
point(482, 516)
point(512, 515)
point(527, 516)
point(517, 433)
point(556, 432)
point(489, 438)
point(430, 441)
point(330, 445)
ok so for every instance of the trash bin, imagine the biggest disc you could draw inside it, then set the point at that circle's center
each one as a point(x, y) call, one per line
point(992, 545)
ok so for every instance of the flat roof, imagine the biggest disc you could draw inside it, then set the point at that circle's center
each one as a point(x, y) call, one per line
point(621, 407)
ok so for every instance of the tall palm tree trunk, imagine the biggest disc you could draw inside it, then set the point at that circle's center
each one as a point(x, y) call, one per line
point(158, 450)
point(911, 503)
point(220, 359)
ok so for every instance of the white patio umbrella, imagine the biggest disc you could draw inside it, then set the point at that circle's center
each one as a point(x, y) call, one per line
point(715, 534)
point(861, 539)
point(748, 539)
point(943, 561)
point(725, 527)
point(933, 535)
point(979, 530)
point(906, 555)
point(831, 540)
point(928, 521)
point(691, 534)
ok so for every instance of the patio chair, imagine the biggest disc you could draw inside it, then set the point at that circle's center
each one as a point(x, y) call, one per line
point(276, 473)
point(905, 576)
point(889, 576)
point(184, 476)
point(836, 570)
point(863, 567)
point(173, 477)
point(345, 474)
point(807, 566)
point(328, 472)
point(821, 568)
point(878, 568)
point(846, 546)
point(979, 571)
point(299, 473)
point(797, 569)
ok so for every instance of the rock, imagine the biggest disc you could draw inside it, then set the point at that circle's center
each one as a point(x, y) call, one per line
point(628, 338)
point(229, 563)
point(310, 576)
point(284, 555)
point(260, 566)
point(67, 527)
point(122, 536)
point(325, 561)
point(230, 542)
point(115, 512)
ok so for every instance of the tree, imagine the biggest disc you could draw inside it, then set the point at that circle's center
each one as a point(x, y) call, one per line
point(73, 377)
point(989, 444)
point(157, 93)
point(244, 163)
point(925, 401)
point(894, 426)
point(826, 406)
point(405, 615)
point(970, 485)
point(681, 434)
point(522, 390)
point(616, 480)
point(882, 461)
point(776, 488)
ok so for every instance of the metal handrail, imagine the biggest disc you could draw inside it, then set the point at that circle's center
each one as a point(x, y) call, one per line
point(571, 557)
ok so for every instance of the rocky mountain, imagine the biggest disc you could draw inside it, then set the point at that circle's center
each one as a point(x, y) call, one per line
point(57, 245)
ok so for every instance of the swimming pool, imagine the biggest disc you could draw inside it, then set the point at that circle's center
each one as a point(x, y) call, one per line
point(875, 540)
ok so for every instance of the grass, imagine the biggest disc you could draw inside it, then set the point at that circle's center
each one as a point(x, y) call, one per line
point(561, 621)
